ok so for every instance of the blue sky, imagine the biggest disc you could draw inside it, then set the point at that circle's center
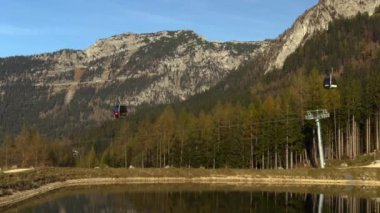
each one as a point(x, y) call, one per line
point(37, 26)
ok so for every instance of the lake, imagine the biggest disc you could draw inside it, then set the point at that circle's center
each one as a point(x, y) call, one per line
point(206, 198)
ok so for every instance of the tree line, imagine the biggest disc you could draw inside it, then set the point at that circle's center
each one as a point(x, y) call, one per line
point(268, 133)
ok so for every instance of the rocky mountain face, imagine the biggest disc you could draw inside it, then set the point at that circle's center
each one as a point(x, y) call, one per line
point(138, 69)
point(314, 20)
point(155, 68)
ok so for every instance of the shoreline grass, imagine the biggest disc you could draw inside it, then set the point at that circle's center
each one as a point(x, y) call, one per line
point(42, 176)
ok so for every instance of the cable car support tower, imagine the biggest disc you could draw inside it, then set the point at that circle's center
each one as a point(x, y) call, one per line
point(317, 115)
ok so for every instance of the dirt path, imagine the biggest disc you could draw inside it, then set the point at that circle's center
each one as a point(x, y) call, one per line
point(17, 170)
point(375, 164)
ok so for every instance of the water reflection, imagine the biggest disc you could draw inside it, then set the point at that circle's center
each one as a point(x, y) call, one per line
point(320, 205)
point(189, 198)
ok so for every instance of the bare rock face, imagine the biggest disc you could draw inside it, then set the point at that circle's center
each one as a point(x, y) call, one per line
point(314, 20)
point(119, 43)
point(176, 64)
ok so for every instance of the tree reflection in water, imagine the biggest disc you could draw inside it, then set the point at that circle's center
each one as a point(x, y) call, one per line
point(162, 199)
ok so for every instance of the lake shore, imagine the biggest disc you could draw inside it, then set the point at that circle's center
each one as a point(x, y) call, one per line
point(58, 178)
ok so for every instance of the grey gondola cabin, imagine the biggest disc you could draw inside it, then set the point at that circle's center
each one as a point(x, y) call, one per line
point(330, 82)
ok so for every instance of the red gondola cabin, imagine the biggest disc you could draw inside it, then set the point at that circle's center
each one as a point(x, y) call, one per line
point(120, 111)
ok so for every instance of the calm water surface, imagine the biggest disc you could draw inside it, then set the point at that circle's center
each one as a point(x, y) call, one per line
point(205, 198)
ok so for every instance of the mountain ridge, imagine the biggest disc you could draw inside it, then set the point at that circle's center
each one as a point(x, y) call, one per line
point(99, 67)
point(139, 69)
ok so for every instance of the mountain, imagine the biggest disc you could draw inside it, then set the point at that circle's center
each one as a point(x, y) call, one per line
point(138, 69)
point(62, 90)
point(314, 20)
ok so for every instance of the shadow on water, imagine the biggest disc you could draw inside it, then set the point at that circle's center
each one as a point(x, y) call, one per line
point(203, 198)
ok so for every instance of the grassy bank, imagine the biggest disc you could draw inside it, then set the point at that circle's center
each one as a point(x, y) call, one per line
point(11, 183)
